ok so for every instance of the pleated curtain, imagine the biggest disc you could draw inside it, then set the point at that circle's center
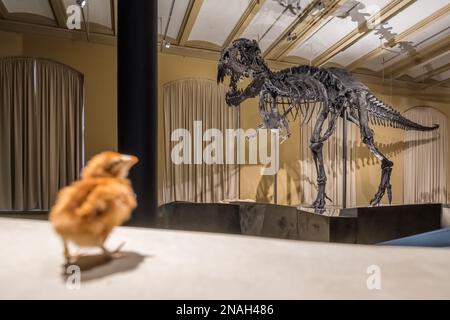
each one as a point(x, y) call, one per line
point(41, 134)
point(186, 101)
point(426, 158)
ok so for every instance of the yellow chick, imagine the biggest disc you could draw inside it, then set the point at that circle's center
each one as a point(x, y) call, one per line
point(86, 211)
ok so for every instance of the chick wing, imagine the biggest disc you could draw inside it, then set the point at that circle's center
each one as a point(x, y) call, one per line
point(87, 211)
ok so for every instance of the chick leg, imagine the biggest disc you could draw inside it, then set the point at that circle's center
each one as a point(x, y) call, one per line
point(114, 253)
point(67, 255)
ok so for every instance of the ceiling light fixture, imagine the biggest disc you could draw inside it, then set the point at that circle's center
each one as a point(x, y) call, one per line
point(164, 43)
point(319, 8)
point(82, 4)
point(291, 37)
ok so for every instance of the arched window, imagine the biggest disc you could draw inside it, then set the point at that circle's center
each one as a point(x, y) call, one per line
point(41, 131)
point(426, 158)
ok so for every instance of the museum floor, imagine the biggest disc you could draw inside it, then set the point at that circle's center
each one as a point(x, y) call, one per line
point(161, 264)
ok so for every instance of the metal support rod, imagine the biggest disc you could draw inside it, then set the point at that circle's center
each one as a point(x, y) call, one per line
point(85, 21)
point(344, 160)
point(163, 42)
point(275, 188)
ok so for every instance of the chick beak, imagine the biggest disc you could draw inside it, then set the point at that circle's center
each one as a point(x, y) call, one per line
point(129, 160)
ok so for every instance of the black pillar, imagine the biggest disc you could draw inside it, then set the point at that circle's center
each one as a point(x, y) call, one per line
point(344, 160)
point(137, 100)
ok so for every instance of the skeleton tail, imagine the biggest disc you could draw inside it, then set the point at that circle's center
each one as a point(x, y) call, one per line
point(381, 113)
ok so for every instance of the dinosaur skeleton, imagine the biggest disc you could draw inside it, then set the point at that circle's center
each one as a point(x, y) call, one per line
point(299, 91)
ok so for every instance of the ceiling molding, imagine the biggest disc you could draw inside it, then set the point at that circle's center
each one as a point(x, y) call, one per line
point(191, 52)
point(26, 17)
point(400, 86)
point(251, 11)
point(3, 11)
point(436, 84)
point(29, 28)
point(184, 21)
point(98, 28)
point(214, 55)
point(392, 9)
point(400, 68)
point(401, 37)
point(295, 60)
point(303, 26)
point(113, 16)
point(32, 18)
point(405, 88)
point(192, 14)
point(59, 12)
point(432, 73)
point(420, 26)
point(200, 44)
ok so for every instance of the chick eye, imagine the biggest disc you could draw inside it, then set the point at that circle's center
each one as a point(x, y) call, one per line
point(112, 167)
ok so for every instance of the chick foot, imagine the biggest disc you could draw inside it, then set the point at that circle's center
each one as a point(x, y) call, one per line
point(112, 254)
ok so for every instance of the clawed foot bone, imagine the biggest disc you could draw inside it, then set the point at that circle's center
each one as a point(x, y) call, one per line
point(320, 202)
point(375, 202)
point(385, 185)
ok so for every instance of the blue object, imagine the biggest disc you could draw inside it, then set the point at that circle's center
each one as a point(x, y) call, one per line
point(438, 239)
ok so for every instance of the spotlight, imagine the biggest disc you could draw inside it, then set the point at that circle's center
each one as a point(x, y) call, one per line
point(318, 9)
point(82, 3)
point(167, 44)
point(291, 37)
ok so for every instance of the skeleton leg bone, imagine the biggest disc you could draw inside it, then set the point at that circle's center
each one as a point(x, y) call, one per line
point(386, 164)
point(316, 148)
point(386, 170)
point(67, 255)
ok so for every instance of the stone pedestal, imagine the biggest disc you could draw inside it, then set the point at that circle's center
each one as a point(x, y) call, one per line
point(378, 224)
point(358, 225)
point(316, 227)
point(268, 220)
point(209, 217)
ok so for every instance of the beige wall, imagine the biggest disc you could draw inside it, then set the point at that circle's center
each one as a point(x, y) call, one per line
point(255, 186)
point(11, 44)
point(389, 141)
point(97, 63)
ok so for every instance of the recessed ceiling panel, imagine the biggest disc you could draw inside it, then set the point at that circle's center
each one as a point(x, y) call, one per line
point(270, 22)
point(395, 26)
point(442, 76)
point(179, 10)
point(343, 21)
point(216, 20)
point(418, 48)
point(38, 7)
point(426, 36)
point(97, 11)
point(416, 12)
point(376, 64)
point(365, 45)
point(429, 66)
